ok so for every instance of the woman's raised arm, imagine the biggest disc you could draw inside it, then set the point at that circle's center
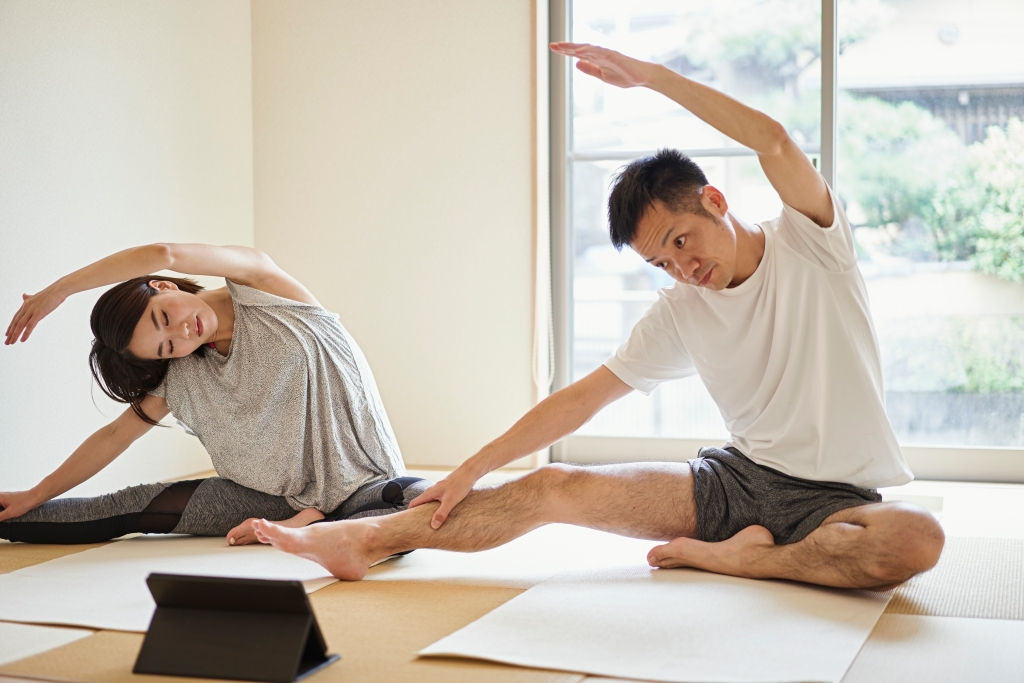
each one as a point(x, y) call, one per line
point(95, 453)
point(244, 265)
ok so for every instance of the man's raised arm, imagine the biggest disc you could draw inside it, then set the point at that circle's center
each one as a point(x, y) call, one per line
point(557, 416)
point(788, 169)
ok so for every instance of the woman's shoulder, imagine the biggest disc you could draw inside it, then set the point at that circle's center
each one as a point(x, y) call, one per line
point(250, 296)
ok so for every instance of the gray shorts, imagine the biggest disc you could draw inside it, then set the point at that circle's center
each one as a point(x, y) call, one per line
point(733, 492)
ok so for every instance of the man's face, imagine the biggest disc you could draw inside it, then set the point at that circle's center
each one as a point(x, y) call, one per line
point(699, 250)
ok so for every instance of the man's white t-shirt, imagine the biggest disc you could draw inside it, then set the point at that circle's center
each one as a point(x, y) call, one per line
point(789, 356)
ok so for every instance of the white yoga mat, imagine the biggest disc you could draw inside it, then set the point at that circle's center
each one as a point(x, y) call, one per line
point(522, 563)
point(905, 647)
point(105, 588)
point(679, 625)
point(18, 641)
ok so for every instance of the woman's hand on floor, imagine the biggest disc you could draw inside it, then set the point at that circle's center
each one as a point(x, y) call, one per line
point(17, 503)
point(449, 492)
point(243, 534)
point(34, 307)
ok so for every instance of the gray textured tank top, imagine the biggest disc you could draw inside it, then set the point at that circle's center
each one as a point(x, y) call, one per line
point(292, 410)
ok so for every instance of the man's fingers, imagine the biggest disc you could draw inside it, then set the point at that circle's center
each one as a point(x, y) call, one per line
point(589, 68)
point(424, 497)
point(567, 48)
point(441, 515)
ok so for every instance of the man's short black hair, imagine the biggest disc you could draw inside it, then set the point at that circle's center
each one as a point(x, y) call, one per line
point(669, 176)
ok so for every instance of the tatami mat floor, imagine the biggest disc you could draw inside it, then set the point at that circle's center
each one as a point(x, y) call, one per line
point(968, 510)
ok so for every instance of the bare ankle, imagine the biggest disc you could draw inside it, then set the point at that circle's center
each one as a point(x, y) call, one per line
point(373, 541)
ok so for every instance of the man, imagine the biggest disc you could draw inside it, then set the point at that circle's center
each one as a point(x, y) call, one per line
point(774, 318)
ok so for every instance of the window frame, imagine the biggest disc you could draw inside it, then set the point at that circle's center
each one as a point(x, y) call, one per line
point(991, 464)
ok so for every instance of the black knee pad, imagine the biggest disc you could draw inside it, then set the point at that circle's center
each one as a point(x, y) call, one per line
point(392, 497)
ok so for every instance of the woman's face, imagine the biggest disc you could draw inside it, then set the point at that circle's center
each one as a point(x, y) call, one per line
point(174, 324)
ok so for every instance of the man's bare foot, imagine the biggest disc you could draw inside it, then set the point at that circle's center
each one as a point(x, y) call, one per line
point(731, 556)
point(342, 548)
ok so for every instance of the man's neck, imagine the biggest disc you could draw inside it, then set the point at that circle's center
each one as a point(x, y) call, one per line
point(749, 248)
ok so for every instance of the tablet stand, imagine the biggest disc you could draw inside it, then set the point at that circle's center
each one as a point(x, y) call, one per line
point(248, 629)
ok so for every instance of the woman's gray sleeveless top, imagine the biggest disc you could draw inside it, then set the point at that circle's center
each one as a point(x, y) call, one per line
point(292, 410)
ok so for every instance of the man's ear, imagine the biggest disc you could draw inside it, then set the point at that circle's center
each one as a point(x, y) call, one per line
point(714, 201)
point(163, 285)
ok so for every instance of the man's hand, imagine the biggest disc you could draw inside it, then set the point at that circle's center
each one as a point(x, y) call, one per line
point(244, 534)
point(17, 503)
point(610, 66)
point(449, 492)
point(787, 168)
point(34, 307)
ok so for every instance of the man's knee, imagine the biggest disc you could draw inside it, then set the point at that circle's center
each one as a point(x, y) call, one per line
point(910, 543)
point(556, 475)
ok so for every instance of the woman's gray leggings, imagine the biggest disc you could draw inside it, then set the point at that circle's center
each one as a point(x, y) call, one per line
point(200, 507)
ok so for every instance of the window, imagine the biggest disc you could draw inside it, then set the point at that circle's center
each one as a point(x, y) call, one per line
point(929, 168)
point(931, 98)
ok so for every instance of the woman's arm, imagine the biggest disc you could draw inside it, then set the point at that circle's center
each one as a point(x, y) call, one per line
point(244, 265)
point(95, 453)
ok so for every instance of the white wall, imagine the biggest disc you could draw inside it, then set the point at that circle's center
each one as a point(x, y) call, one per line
point(121, 123)
point(393, 176)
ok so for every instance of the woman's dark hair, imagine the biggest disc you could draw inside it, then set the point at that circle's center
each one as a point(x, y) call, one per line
point(669, 176)
point(121, 374)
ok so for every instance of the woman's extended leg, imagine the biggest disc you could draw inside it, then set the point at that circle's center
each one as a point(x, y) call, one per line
point(83, 520)
point(203, 507)
point(200, 507)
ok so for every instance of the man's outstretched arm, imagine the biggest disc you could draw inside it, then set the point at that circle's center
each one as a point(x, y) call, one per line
point(788, 169)
point(557, 416)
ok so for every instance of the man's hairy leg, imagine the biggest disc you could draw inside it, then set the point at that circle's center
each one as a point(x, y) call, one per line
point(642, 500)
point(874, 546)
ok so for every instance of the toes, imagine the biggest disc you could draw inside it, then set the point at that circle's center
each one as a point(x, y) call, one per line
point(265, 532)
point(278, 536)
point(669, 555)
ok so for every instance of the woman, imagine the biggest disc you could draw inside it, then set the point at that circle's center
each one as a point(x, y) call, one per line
point(270, 382)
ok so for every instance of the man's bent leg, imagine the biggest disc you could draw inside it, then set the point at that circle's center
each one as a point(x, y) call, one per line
point(872, 546)
point(642, 500)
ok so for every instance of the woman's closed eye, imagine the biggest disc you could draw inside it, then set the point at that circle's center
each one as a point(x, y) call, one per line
point(170, 342)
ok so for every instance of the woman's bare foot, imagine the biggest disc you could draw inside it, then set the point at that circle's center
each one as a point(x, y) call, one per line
point(243, 534)
point(342, 548)
point(732, 556)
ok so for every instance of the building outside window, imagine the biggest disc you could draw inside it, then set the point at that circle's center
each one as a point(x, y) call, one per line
point(930, 156)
